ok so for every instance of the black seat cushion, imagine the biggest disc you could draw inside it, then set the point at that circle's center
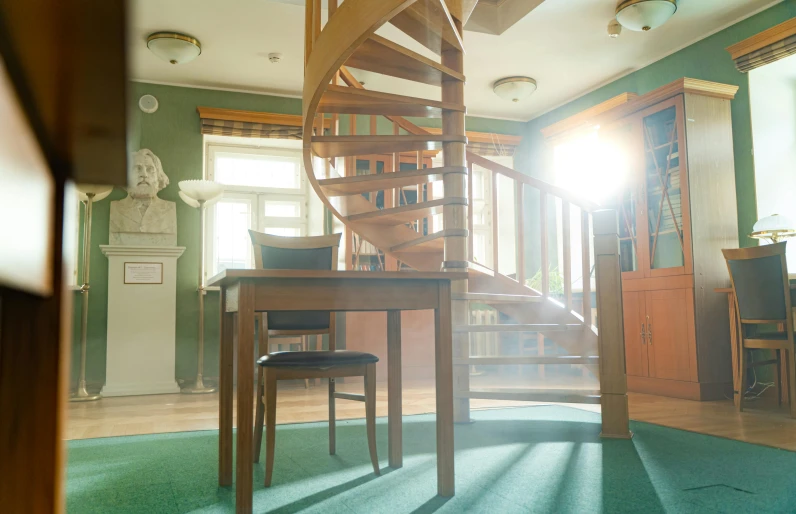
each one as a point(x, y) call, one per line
point(323, 360)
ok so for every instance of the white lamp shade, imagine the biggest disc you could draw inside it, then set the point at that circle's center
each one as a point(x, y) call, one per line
point(173, 47)
point(515, 88)
point(644, 15)
point(100, 192)
point(194, 191)
point(775, 222)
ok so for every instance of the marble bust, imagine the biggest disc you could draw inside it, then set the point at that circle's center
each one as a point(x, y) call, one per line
point(143, 219)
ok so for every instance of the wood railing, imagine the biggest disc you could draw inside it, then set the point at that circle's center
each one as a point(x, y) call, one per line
point(548, 194)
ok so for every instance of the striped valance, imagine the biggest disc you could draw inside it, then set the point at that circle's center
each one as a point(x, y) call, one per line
point(229, 122)
point(769, 46)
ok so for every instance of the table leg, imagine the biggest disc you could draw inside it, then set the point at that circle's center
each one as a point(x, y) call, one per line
point(244, 464)
point(443, 358)
point(225, 396)
point(394, 393)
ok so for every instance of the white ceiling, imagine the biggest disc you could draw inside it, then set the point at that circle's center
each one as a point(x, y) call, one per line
point(563, 44)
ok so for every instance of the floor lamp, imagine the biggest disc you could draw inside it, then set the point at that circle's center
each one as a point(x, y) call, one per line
point(197, 193)
point(88, 195)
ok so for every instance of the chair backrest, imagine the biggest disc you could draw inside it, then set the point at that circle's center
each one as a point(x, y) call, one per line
point(759, 278)
point(278, 252)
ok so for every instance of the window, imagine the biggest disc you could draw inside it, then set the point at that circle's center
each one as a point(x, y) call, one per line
point(265, 190)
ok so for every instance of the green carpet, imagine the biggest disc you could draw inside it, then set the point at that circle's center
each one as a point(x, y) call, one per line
point(530, 459)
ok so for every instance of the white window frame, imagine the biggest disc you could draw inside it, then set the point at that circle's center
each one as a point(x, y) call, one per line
point(255, 196)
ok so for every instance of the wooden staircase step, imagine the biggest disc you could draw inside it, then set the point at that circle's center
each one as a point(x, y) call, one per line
point(406, 213)
point(514, 327)
point(350, 100)
point(345, 186)
point(435, 241)
point(496, 298)
point(522, 359)
point(342, 146)
point(533, 395)
point(381, 55)
point(429, 23)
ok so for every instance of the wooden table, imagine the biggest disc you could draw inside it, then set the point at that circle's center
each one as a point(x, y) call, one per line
point(735, 337)
point(245, 292)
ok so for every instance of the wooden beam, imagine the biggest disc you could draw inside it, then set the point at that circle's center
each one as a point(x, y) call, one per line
point(773, 35)
point(266, 118)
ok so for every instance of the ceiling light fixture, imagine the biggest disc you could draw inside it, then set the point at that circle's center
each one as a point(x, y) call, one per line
point(174, 47)
point(644, 15)
point(514, 88)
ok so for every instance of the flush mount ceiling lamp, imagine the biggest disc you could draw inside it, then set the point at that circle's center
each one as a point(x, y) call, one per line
point(644, 15)
point(174, 47)
point(514, 88)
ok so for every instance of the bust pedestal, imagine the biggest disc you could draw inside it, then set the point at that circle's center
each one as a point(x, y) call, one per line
point(142, 319)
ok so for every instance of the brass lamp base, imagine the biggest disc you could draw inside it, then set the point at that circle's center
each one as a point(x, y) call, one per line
point(81, 395)
point(198, 387)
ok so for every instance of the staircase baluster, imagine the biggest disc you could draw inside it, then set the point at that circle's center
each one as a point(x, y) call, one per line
point(545, 257)
point(585, 242)
point(519, 206)
point(470, 210)
point(495, 240)
point(567, 253)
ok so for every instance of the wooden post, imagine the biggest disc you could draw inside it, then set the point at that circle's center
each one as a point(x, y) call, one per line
point(567, 253)
point(455, 217)
point(586, 269)
point(611, 336)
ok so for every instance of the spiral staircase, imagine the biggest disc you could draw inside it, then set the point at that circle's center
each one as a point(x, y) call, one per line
point(348, 40)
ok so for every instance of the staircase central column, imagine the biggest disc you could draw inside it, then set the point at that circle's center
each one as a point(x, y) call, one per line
point(455, 217)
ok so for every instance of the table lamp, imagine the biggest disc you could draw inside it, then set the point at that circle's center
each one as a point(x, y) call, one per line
point(88, 195)
point(197, 193)
point(774, 227)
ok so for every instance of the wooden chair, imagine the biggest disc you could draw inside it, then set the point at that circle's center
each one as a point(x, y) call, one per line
point(759, 278)
point(323, 364)
point(278, 252)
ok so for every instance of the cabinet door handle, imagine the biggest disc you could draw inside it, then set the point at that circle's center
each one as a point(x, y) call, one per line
point(649, 331)
point(643, 335)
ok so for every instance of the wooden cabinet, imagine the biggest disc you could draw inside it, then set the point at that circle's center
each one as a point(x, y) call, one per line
point(677, 210)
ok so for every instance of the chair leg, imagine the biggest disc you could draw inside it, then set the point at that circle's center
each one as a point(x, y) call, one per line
point(742, 384)
point(790, 366)
point(332, 438)
point(370, 414)
point(259, 416)
point(304, 349)
point(779, 377)
point(270, 423)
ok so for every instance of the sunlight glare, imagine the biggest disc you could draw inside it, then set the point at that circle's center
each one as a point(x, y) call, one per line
point(591, 168)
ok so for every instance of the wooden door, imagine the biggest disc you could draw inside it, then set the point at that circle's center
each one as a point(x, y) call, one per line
point(635, 333)
point(671, 341)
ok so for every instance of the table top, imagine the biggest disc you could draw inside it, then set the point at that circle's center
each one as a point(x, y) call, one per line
point(231, 276)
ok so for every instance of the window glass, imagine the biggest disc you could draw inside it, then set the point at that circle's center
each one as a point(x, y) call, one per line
point(257, 171)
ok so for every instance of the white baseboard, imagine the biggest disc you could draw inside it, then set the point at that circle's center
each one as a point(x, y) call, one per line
point(137, 389)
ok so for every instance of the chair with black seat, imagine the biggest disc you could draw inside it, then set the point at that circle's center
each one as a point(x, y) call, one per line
point(323, 364)
point(759, 277)
point(309, 253)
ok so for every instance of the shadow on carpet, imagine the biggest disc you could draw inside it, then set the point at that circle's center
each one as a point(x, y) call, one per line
point(530, 459)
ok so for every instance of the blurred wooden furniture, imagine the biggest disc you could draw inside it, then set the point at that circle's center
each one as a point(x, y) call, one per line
point(278, 252)
point(676, 211)
point(247, 292)
point(761, 295)
point(330, 364)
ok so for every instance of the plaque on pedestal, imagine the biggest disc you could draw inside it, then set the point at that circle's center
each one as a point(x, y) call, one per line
point(142, 319)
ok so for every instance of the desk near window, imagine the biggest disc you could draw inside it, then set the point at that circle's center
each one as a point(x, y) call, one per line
point(244, 292)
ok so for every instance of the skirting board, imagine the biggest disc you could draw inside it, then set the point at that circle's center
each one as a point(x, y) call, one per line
point(140, 389)
point(699, 391)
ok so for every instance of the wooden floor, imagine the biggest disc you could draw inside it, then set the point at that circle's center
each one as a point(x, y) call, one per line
point(762, 424)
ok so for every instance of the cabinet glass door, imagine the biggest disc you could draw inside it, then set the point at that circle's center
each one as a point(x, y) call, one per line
point(665, 185)
point(628, 202)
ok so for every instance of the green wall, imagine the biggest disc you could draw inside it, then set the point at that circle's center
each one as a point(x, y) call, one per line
point(173, 134)
point(707, 60)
